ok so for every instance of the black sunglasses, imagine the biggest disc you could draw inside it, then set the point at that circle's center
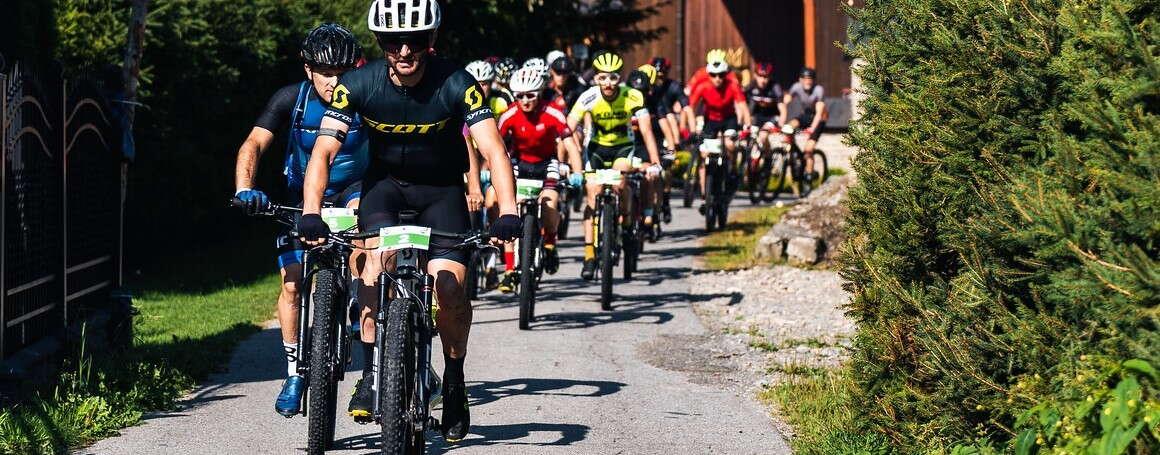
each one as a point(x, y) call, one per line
point(716, 75)
point(393, 43)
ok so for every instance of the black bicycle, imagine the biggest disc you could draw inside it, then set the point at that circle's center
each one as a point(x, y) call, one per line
point(633, 233)
point(324, 339)
point(606, 229)
point(529, 248)
point(794, 164)
point(717, 196)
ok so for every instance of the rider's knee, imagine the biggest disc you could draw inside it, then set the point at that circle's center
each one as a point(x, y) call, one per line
point(448, 289)
point(290, 288)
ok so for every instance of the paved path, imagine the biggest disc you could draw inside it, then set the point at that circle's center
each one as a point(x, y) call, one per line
point(575, 384)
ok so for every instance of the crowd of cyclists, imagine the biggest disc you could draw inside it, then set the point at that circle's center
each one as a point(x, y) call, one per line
point(461, 146)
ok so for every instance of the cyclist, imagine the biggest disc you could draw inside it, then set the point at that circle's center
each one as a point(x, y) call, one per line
point(533, 131)
point(501, 96)
point(811, 98)
point(764, 99)
point(612, 108)
point(415, 106)
point(563, 89)
point(642, 80)
point(328, 51)
point(725, 109)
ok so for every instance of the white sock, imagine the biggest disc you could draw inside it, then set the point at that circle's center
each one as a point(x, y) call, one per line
point(291, 350)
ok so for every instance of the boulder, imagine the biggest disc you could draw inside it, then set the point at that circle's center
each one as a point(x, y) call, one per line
point(804, 250)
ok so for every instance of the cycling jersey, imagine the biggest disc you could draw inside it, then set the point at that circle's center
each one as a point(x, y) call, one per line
point(610, 119)
point(701, 77)
point(533, 135)
point(563, 101)
point(300, 105)
point(763, 101)
point(415, 132)
point(808, 99)
point(719, 102)
point(667, 93)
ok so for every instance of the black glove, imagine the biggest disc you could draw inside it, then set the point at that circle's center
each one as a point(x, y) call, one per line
point(506, 227)
point(311, 227)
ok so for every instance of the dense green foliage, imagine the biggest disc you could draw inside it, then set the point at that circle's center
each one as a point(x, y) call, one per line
point(1005, 235)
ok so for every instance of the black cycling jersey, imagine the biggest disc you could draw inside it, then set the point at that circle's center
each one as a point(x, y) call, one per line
point(415, 132)
point(763, 101)
point(572, 91)
point(666, 93)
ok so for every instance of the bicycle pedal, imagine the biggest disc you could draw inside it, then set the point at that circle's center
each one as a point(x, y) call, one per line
point(362, 418)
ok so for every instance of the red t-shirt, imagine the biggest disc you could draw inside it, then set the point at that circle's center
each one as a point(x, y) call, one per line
point(533, 135)
point(718, 102)
point(701, 76)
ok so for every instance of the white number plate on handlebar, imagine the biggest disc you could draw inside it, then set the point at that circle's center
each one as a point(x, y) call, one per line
point(528, 188)
point(403, 237)
point(339, 218)
point(711, 146)
point(606, 177)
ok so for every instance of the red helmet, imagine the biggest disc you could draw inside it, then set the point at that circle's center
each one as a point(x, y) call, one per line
point(763, 69)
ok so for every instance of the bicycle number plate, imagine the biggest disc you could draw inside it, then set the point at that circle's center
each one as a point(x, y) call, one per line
point(403, 237)
point(711, 146)
point(339, 219)
point(528, 188)
point(606, 177)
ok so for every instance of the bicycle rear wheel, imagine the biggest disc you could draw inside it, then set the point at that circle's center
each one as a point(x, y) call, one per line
point(528, 247)
point(322, 385)
point(397, 363)
point(607, 243)
point(471, 280)
point(690, 183)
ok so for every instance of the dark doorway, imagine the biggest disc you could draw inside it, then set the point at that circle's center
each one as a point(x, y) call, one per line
point(773, 31)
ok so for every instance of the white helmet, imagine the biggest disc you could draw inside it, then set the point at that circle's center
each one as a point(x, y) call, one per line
point(526, 79)
point(552, 56)
point(404, 16)
point(481, 70)
point(537, 64)
point(717, 67)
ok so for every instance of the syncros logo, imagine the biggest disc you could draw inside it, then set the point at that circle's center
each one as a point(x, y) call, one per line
point(403, 128)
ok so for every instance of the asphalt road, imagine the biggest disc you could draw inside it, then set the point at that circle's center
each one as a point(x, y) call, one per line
point(575, 384)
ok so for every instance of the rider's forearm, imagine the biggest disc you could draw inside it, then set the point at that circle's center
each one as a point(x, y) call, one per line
point(249, 154)
point(820, 108)
point(573, 149)
point(318, 173)
point(650, 142)
point(781, 108)
point(474, 186)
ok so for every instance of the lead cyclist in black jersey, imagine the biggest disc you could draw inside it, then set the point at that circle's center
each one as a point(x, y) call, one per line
point(414, 106)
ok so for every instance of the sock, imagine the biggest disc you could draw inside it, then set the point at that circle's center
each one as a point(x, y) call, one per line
point(291, 350)
point(509, 260)
point(589, 251)
point(549, 239)
point(491, 258)
point(452, 370)
point(368, 358)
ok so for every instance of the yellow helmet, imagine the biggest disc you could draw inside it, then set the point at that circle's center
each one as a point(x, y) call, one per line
point(608, 62)
point(715, 55)
point(650, 71)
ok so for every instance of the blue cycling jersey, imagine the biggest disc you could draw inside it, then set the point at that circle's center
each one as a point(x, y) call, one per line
point(349, 165)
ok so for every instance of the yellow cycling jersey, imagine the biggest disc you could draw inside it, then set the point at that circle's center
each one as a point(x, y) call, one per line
point(498, 105)
point(611, 120)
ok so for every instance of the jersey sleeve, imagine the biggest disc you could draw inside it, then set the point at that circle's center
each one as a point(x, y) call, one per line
point(345, 101)
point(738, 95)
point(634, 103)
point(468, 98)
point(584, 104)
point(821, 93)
point(695, 97)
point(278, 109)
point(556, 120)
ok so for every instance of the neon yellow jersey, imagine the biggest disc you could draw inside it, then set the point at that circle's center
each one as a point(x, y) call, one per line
point(498, 105)
point(611, 120)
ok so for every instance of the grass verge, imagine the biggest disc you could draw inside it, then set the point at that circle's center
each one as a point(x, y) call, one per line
point(818, 405)
point(191, 317)
point(732, 248)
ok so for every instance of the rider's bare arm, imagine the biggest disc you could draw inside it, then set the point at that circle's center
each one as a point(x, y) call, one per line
point(743, 114)
point(490, 145)
point(318, 169)
point(783, 109)
point(820, 108)
point(573, 148)
point(473, 184)
point(248, 156)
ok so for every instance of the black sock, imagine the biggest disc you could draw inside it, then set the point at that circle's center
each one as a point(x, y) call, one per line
point(452, 370)
point(368, 358)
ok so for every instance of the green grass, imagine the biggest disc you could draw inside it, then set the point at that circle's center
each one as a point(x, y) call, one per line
point(192, 315)
point(818, 405)
point(732, 248)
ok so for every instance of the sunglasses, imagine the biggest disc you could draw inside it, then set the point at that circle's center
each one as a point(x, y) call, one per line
point(393, 44)
point(607, 78)
point(716, 75)
point(527, 95)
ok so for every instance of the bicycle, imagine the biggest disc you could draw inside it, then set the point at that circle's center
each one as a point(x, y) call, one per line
point(565, 191)
point(324, 345)
point(758, 170)
point(405, 384)
point(606, 229)
point(691, 180)
point(716, 208)
point(794, 164)
point(529, 247)
point(633, 233)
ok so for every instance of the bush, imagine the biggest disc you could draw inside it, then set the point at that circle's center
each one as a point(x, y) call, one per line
point(1005, 224)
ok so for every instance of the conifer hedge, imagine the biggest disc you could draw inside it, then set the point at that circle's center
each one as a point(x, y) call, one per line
point(1004, 251)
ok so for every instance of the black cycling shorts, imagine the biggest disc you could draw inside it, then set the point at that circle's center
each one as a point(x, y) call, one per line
point(714, 128)
point(439, 207)
point(546, 170)
point(807, 119)
point(290, 249)
point(602, 156)
point(765, 122)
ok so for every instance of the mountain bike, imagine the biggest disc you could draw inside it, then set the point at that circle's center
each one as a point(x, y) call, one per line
point(633, 231)
point(529, 247)
point(565, 198)
point(692, 179)
point(606, 229)
point(716, 208)
point(794, 165)
point(405, 384)
point(758, 169)
point(324, 340)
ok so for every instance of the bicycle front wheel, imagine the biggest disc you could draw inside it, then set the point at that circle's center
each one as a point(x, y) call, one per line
point(322, 385)
point(397, 367)
point(528, 246)
point(607, 243)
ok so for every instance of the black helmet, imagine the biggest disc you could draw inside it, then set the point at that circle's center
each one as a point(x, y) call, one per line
point(639, 80)
point(331, 45)
point(808, 72)
point(504, 69)
point(661, 64)
point(563, 65)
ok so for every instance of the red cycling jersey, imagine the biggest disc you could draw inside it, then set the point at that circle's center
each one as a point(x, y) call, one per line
point(701, 77)
point(719, 103)
point(533, 135)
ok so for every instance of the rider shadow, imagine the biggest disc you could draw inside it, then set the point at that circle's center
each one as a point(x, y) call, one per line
point(562, 434)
